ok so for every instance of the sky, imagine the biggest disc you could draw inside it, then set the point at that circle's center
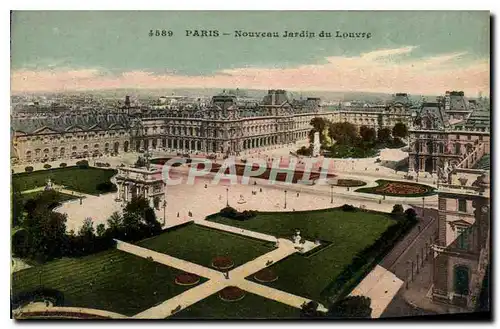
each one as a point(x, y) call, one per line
point(416, 52)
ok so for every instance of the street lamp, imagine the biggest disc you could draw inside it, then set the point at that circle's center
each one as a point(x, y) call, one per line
point(423, 206)
point(285, 199)
point(331, 193)
point(164, 215)
point(227, 196)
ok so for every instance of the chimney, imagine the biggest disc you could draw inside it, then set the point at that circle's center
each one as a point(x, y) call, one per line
point(273, 97)
point(127, 101)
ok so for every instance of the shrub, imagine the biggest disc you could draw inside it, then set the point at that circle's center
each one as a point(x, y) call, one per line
point(105, 187)
point(83, 164)
point(28, 169)
point(47, 166)
point(351, 307)
point(348, 207)
point(411, 214)
point(63, 164)
point(230, 212)
point(397, 209)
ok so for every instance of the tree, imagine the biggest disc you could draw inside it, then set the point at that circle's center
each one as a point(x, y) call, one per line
point(115, 222)
point(87, 229)
point(411, 214)
point(400, 130)
point(320, 125)
point(344, 133)
point(100, 230)
point(367, 134)
point(28, 169)
point(397, 209)
point(47, 166)
point(46, 233)
point(63, 164)
point(351, 307)
point(384, 135)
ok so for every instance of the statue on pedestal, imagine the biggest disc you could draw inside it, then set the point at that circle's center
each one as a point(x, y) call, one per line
point(48, 185)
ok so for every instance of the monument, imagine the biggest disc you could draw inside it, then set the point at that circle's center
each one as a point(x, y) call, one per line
point(134, 182)
point(316, 145)
point(48, 185)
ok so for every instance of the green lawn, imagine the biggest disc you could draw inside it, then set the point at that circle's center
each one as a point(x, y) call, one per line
point(201, 245)
point(309, 276)
point(83, 180)
point(250, 307)
point(61, 197)
point(126, 285)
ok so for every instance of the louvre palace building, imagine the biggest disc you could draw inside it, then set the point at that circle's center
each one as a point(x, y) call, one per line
point(223, 125)
point(447, 133)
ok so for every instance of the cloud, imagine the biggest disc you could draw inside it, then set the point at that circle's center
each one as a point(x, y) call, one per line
point(375, 71)
point(382, 53)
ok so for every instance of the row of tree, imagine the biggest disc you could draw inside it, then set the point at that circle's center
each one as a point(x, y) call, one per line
point(347, 138)
point(41, 232)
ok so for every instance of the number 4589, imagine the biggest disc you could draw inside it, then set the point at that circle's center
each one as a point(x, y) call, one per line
point(160, 33)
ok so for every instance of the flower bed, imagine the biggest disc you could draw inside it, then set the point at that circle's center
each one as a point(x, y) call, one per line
point(349, 183)
point(394, 188)
point(222, 263)
point(187, 279)
point(231, 294)
point(266, 275)
point(281, 175)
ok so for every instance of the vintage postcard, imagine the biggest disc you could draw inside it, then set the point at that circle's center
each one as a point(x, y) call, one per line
point(250, 164)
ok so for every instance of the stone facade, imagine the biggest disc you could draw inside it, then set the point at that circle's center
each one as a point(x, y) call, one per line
point(461, 252)
point(446, 134)
point(141, 182)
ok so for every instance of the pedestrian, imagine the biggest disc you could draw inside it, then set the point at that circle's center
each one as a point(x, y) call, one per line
point(297, 194)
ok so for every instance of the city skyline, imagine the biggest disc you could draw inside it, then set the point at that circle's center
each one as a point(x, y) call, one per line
point(417, 52)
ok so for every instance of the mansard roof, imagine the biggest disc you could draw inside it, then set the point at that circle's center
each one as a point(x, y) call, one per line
point(68, 122)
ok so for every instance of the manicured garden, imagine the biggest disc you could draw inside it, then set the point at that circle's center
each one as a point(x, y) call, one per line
point(111, 280)
point(249, 307)
point(86, 180)
point(207, 247)
point(321, 274)
point(349, 183)
point(395, 188)
point(60, 197)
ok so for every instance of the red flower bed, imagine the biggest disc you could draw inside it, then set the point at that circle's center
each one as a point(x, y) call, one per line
point(280, 176)
point(266, 275)
point(231, 294)
point(401, 189)
point(187, 279)
point(222, 263)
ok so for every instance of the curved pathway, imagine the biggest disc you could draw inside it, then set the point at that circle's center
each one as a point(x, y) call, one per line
point(38, 308)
